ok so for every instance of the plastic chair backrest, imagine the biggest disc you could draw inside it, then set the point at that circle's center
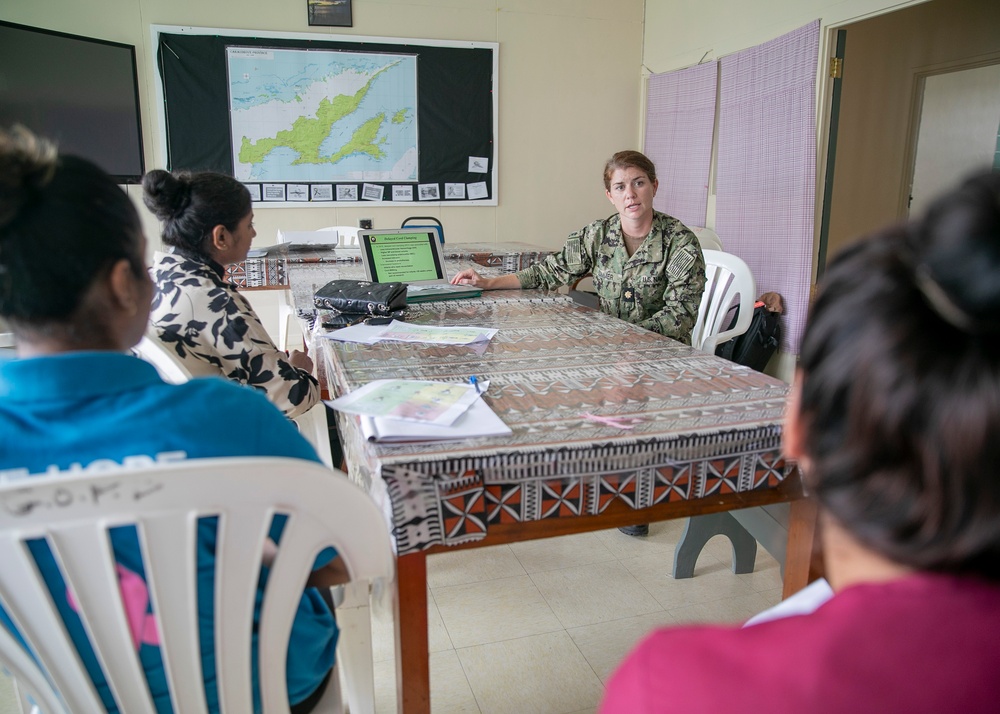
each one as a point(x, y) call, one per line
point(728, 282)
point(168, 364)
point(346, 236)
point(312, 423)
point(434, 223)
point(75, 512)
point(707, 237)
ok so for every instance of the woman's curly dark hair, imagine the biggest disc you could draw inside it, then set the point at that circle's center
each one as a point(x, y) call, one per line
point(900, 375)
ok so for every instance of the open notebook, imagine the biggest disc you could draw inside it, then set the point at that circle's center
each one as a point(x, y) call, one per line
point(412, 256)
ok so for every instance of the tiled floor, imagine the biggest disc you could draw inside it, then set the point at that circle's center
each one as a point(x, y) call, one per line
point(539, 626)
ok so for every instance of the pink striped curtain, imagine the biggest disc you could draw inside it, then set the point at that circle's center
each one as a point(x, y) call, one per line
point(766, 172)
point(680, 118)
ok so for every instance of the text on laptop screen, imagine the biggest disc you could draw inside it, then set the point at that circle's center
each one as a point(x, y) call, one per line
point(404, 257)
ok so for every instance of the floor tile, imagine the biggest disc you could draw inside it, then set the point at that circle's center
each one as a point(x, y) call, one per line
point(450, 689)
point(472, 566)
point(438, 636)
point(539, 626)
point(766, 572)
point(732, 610)
point(588, 594)
point(542, 674)
point(385, 687)
point(712, 581)
point(8, 695)
point(605, 644)
point(562, 552)
point(662, 539)
point(383, 634)
point(480, 613)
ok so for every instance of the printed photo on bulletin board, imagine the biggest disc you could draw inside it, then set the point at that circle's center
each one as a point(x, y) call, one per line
point(336, 13)
point(332, 119)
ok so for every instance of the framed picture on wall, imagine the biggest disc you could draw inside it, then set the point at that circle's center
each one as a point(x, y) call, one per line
point(336, 13)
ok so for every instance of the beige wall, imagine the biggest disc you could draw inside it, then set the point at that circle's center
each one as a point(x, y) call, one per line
point(568, 88)
point(680, 33)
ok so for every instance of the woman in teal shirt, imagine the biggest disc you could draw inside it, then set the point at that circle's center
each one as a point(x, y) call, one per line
point(76, 293)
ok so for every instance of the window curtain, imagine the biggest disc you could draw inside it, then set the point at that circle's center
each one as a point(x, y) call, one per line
point(680, 119)
point(766, 167)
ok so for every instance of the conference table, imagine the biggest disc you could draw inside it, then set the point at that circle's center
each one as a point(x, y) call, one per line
point(612, 425)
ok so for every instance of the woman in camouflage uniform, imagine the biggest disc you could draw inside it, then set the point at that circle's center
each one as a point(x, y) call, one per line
point(647, 267)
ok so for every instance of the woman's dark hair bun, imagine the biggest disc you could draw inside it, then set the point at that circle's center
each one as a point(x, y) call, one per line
point(27, 165)
point(167, 195)
point(956, 255)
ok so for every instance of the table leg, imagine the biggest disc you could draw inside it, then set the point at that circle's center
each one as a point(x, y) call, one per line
point(802, 533)
point(413, 688)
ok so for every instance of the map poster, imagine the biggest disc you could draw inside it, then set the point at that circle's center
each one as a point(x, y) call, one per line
point(317, 115)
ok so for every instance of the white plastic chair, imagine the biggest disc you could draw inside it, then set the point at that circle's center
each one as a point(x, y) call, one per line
point(347, 236)
point(343, 236)
point(708, 238)
point(312, 424)
point(74, 512)
point(728, 282)
point(167, 363)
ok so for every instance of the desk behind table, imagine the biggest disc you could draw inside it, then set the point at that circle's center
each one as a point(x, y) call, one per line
point(273, 271)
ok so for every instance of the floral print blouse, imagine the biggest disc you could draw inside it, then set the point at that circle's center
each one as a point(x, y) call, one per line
point(214, 331)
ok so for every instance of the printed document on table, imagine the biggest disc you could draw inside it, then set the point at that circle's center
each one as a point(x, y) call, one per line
point(478, 421)
point(438, 403)
point(399, 331)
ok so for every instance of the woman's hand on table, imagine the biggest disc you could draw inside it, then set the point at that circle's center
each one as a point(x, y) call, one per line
point(471, 277)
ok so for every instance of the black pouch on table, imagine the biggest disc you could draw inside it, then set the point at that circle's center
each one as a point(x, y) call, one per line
point(361, 297)
point(333, 320)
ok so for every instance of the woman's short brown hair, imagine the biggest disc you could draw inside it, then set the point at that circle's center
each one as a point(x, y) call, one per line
point(628, 160)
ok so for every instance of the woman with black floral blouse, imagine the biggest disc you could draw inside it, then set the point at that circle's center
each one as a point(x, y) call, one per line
point(207, 219)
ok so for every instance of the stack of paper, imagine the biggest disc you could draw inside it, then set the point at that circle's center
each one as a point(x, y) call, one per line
point(478, 420)
point(396, 410)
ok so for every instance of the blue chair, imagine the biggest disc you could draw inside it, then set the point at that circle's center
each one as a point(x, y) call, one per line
point(434, 223)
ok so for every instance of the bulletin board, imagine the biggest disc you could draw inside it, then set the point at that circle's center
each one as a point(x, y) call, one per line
point(323, 120)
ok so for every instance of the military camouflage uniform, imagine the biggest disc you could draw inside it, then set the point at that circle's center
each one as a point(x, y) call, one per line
point(658, 288)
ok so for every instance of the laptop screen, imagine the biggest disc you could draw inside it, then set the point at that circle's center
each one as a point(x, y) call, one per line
point(402, 256)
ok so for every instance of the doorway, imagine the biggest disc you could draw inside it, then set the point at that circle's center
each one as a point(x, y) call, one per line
point(887, 60)
point(959, 119)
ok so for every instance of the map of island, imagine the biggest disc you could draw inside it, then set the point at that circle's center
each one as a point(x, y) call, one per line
point(322, 115)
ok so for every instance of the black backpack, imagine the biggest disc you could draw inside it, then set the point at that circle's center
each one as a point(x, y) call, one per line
point(755, 346)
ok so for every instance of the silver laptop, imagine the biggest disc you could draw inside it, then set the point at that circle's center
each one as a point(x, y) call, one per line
point(412, 256)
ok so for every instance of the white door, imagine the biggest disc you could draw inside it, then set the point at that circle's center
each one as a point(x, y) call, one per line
point(959, 122)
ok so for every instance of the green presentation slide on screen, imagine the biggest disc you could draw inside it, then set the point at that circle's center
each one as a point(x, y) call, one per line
point(404, 257)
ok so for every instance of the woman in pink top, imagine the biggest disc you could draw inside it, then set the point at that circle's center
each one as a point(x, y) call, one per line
point(895, 422)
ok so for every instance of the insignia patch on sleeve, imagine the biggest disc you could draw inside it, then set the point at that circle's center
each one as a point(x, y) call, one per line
point(574, 251)
point(680, 264)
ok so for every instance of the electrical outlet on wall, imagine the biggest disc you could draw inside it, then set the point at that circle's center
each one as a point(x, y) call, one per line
point(365, 224)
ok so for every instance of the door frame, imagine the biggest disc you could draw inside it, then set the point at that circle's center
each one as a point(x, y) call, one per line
point(916, 108)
